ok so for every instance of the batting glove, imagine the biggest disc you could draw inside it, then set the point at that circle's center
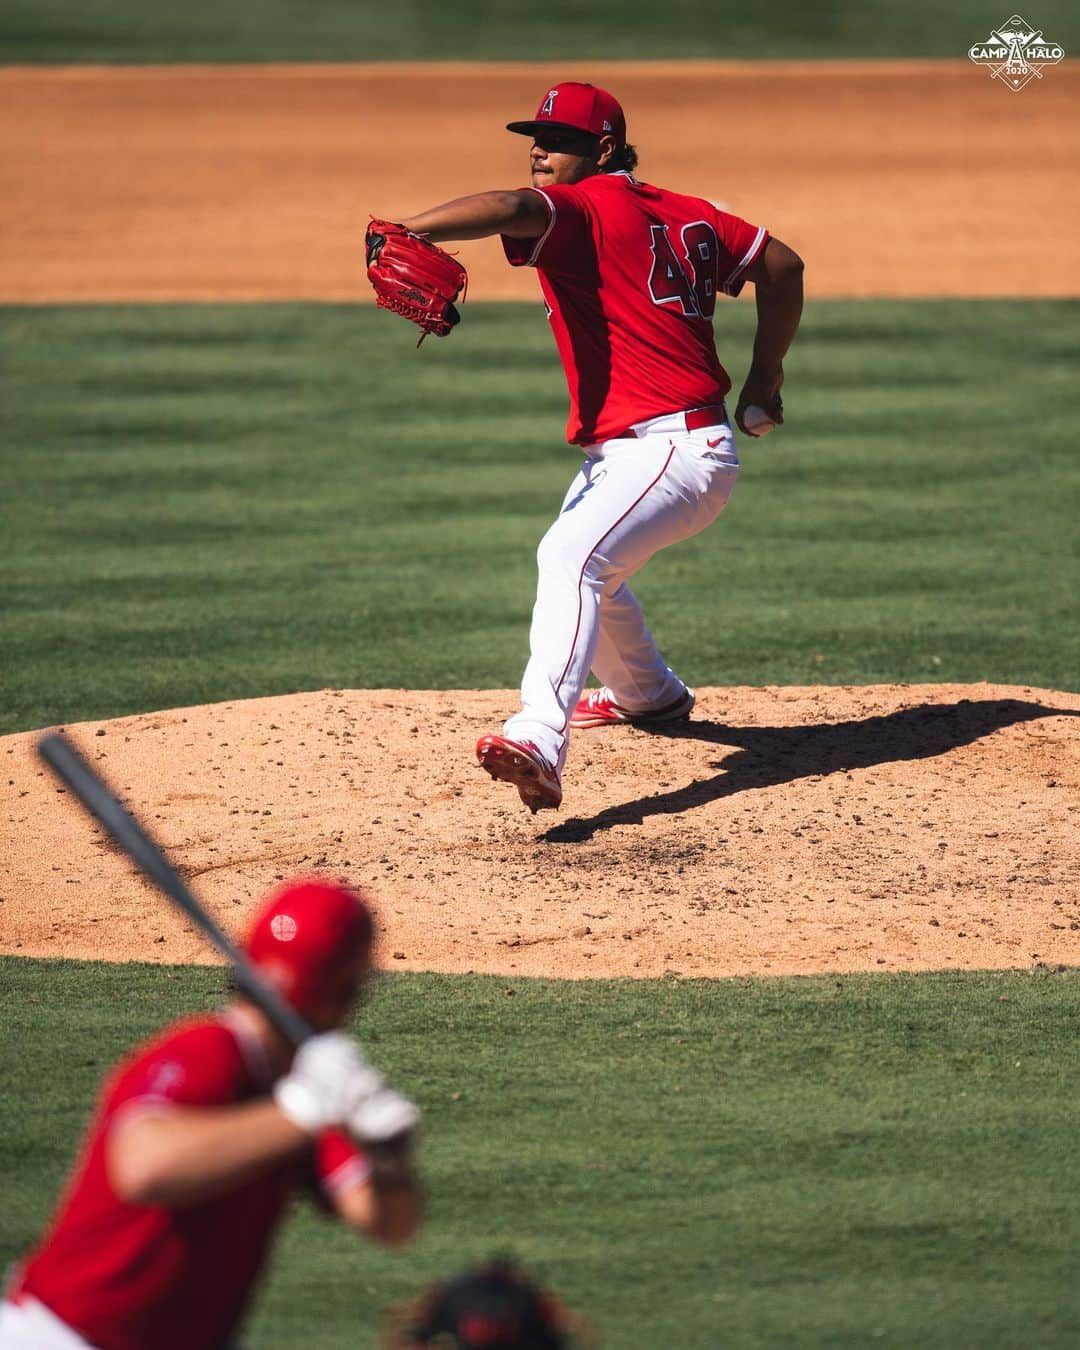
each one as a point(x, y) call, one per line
point(383, 1116)
point(328, 1081)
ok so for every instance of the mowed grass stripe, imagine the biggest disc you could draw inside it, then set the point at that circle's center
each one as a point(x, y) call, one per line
point(343, 30)
point(201, 503)
point(834, 1161)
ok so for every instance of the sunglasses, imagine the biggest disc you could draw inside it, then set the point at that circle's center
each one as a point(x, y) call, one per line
point(556, 141)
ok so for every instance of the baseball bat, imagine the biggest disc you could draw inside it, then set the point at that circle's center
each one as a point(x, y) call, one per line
point(72, 768)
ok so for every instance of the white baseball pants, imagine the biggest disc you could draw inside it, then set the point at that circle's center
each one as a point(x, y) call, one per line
point(630, 499)
point(29, 1325)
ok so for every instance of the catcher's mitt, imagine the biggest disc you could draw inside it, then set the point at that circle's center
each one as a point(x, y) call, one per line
point(413, 277)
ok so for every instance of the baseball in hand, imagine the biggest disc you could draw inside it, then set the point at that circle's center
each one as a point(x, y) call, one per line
point(756, 420)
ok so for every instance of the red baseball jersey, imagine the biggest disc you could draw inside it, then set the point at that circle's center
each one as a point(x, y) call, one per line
point(130, 1276)
point(631, 274)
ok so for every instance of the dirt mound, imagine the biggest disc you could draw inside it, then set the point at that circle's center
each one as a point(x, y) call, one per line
point(781, 830)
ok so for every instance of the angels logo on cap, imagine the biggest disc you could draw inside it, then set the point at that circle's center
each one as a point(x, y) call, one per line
point(283, 927)
point(581, 107)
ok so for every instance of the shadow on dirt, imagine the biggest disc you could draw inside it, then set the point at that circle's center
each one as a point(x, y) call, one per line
point(768, 756)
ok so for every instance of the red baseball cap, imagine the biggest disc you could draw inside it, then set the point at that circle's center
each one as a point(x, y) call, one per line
point(313, 939)
point(577, 107)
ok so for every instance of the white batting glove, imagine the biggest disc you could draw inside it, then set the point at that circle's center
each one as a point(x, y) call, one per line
point(328, 1081)
point(382, 1116)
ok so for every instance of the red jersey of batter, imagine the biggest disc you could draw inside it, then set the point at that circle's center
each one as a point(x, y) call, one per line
point(631, 274)
point(131, 1276)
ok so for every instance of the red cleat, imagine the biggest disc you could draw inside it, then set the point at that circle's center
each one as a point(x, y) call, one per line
point(599, 709)
point(521, 763)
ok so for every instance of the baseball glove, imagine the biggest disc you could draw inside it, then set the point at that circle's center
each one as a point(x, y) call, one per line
point(413, 277)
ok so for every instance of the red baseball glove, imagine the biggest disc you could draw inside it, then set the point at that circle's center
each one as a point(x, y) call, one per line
point(413, 277)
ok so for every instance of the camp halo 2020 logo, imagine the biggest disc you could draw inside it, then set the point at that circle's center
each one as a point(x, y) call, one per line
point(1016, 53)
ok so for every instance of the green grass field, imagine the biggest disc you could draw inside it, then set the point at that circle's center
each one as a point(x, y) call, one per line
point(834, 1162)
point(361, 30)
point(205, 502)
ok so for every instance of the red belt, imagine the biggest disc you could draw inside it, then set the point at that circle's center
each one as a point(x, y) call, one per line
point(695, 418)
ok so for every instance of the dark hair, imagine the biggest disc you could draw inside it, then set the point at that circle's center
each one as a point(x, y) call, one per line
point(492, 1304)
point(624, 160)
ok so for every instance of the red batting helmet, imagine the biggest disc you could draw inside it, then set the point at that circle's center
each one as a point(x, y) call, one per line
point(577, 107)
point(312, 939)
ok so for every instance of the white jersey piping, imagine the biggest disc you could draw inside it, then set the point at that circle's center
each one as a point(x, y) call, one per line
point(534, 255)
point(748, 256)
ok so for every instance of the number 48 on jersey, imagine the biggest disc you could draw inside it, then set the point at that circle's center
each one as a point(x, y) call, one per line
point(688, 281)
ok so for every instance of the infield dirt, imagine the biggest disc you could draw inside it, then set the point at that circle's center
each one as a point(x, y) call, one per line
point(917, 178)
point(782, 830)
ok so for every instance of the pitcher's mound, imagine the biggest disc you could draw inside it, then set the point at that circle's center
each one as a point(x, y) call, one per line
point(781, 830)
